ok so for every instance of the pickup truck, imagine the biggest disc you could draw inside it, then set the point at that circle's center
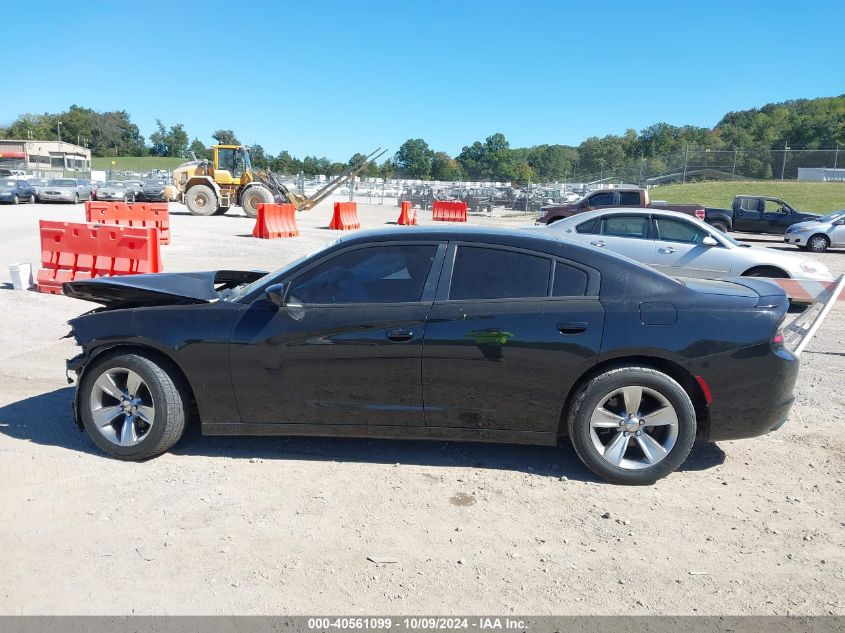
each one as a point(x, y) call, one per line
point(756, 214)
point(607, 198)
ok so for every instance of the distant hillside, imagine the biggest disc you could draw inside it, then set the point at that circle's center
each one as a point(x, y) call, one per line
point(135, 163)
point(818, 197)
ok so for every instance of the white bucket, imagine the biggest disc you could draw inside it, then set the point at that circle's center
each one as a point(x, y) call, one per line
point(21, 276)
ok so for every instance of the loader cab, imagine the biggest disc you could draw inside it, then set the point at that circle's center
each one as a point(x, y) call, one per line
point(231, 162)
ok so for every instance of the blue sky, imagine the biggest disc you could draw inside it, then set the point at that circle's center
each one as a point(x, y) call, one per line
point(332, 78)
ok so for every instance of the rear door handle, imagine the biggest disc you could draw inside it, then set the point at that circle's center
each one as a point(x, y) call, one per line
point(572, 328)
point(598, 243)
point(400, 334)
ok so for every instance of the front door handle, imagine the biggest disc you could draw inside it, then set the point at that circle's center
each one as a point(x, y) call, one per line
point(667, 249)
point(400, 334)
point(572, 328)
point(598, 243)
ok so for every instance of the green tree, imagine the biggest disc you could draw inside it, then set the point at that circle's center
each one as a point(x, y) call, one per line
point(444, 167)
point(258, 157)
point(198, 148)
point(225, 137)
point(414, 159)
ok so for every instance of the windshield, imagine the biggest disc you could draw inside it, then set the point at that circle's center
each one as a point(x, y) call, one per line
point(832, 217)
point(247, 289)
point(7, 184)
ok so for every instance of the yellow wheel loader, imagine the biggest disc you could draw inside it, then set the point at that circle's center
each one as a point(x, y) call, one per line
point(212, 187)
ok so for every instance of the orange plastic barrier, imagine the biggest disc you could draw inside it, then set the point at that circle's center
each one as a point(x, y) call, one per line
point(806, 290)
point(275, 220)
point(345, 217)
point(82, 251)
point(140, 215)
point(407, 215)
point(449, 211)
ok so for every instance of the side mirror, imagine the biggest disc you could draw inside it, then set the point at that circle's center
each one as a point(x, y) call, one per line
point(709, 240)
point(276, 293)
point(839, 223)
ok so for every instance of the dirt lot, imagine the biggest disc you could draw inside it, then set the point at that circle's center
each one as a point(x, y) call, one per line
point(275, 525)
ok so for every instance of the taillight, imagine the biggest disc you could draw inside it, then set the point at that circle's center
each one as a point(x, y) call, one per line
point(699, 213)
point(779, 338)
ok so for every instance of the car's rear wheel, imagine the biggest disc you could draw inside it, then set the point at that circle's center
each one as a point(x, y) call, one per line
point(632, 425)
point(16, 200)
point(818, 244)
point(766, 271)
point(132, 407)
point(32, 198)
point(720, 226)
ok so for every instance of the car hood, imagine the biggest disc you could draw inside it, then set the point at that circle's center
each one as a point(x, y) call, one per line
point(809, 224)
point(158, 288)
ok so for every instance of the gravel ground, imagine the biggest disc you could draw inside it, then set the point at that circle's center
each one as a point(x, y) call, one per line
point(276, 525)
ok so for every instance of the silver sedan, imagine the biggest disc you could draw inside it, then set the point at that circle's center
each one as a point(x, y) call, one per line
point(683, 246)
point(818, 235)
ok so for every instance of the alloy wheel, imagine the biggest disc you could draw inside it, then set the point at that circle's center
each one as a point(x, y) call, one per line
point(122, 406)
point(634, 427)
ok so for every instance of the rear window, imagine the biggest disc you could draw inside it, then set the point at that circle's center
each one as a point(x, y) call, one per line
point(626, 226)
point(601, 200)
point(569, 281)
point(589, 227)
point(492, 273)
point(629, 199)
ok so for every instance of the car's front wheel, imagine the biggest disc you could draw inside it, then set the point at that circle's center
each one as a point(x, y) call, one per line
point(818, 244)
point(32, 198)
point(132, 407)
point(632, 425)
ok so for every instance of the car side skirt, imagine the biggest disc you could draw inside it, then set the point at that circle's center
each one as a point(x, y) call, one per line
point(505, 436)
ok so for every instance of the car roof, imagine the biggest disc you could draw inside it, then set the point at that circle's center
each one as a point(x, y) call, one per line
point(470, 233)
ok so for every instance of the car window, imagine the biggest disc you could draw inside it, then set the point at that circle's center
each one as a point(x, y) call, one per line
point(626, 226)
point(380, 274)
point(673, 230)
point(492, 273)
point(569, 281)
point(590, 226)
point(749, 204)
point(775, 207)
point(602, 199)
point(629, 199)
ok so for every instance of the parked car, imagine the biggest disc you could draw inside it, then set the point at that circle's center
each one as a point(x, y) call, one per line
point(116, 191)
point(447, 333)
point(15, 191)
point(153, 190)
point(613, 198)
point(64, 190)
point(684, 246)
point(818, 235)
point(756, 214)
point(95, 185)
point(135, 186)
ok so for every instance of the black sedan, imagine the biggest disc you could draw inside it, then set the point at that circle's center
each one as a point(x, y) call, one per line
point(482, 335)
point(14, 191)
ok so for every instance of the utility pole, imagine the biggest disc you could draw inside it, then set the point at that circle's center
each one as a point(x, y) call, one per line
point(642, 161)
point(686, 159)
point(733, 171)
point(783, 166)
point(59, 130)
point(835, 159)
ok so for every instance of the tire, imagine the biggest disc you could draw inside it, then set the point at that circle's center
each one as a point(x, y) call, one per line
point(766, 271)
point(221, 210)
point(76, 198)
point(252, 197)
point(720, 226)
point(818, 243)
point(631, 464)
point(16, 200)
point(158, 391)
point(201, 200)
point(32, 198)
point(553, 220)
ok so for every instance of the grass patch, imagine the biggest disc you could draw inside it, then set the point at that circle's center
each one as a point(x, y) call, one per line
point(136, 163)
point(815, 197)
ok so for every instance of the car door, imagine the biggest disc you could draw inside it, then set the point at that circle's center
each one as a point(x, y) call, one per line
point(680, 251)
point(509, 333)
point(628, 234)
point(837, 232)
point(777, 216)
point(346, 347)
point(747, 215)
